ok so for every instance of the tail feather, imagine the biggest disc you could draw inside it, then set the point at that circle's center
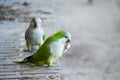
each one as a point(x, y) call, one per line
point(22, 62)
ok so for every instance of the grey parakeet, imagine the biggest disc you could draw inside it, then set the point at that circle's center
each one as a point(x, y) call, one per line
point(34, 34)
point(50, 50)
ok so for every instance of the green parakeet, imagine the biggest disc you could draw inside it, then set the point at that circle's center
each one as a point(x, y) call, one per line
point(50, 50)
point(35, 34)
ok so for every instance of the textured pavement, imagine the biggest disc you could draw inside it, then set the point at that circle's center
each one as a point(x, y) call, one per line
point(14, 21)
point(95, 30)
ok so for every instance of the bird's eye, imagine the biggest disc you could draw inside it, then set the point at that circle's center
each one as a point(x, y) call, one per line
point(66, 36)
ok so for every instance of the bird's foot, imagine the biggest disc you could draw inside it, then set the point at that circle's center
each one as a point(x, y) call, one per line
point(27, 50)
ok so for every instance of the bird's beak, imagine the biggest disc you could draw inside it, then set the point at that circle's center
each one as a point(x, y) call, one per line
point(35, 25)
point(67, 46)
point(68, 41)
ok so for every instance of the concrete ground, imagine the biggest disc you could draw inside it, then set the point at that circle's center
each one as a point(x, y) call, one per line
point(94, 54)
point(95, 30)
point(15, 16)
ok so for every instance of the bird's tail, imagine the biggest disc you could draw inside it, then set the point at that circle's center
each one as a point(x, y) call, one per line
point(21, 62)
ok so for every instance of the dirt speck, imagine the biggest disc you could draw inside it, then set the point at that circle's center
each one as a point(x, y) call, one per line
point(26, 4)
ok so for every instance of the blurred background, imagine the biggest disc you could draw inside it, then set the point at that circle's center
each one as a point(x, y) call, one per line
point(95, 29)
point(93, 24)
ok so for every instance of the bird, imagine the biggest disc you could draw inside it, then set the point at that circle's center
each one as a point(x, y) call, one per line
point(34, 34)
point(53, 48)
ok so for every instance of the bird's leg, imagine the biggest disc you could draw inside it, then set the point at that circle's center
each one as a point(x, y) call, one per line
point(29, 47)
point(40, 63)
point(51, 60)
point(33, 48)
point(49, 63)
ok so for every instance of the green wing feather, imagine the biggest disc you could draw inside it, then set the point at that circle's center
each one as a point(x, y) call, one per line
point(43, 52)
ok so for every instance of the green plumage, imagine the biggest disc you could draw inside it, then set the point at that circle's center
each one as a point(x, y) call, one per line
point(43, 55)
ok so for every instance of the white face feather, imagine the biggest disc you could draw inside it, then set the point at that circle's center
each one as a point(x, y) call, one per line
point(57, 47)
point(37, 22)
